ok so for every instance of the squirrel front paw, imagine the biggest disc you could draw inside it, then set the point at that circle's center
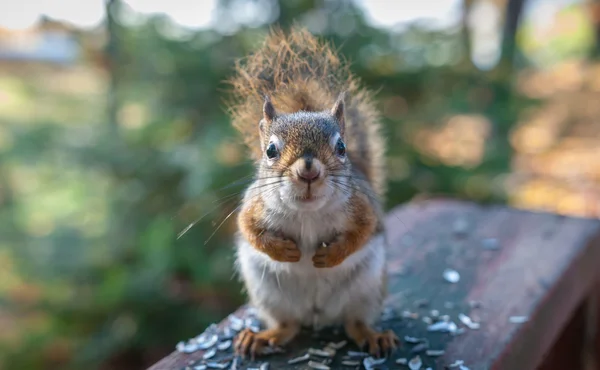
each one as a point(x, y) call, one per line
point(329, 255)
point(281, 249)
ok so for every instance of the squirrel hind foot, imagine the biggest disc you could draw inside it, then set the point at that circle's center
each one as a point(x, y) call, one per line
point(254, 343)
point(377, 343)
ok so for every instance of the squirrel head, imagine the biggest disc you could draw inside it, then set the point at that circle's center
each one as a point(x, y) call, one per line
point(304, 156)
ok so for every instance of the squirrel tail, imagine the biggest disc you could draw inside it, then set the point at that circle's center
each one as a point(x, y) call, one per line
point(299, 72)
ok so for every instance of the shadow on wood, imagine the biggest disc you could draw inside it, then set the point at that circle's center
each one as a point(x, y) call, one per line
point(524, 277)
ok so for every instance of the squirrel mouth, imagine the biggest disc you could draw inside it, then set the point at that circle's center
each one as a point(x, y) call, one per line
point(307, 198)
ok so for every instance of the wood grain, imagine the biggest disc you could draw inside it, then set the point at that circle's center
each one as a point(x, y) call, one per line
point(543, 268)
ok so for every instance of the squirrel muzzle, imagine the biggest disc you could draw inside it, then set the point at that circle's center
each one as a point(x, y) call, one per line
point(307, 171)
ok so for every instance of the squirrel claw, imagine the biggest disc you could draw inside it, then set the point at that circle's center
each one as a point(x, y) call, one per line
point(328, 256)
point(248, 342)
point(383, 343)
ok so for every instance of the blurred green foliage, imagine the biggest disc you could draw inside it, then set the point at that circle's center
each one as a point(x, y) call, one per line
point(95, 186)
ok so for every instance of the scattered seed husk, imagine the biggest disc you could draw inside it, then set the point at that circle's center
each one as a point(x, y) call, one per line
point(188, 347)
point(338, 345)
point(264, 366)
point(273, 350)
point(217, 365)
point(410, 315)
point(518, 319)
point(412, 339)
point(355, 354)
point(223, 346)
point(402, 361)
point(451, 276)
point(445, 318)
point(415, 363)
point(206, 342)
point(468, 321)
point(350, 363)
point(321, 352)
point(434, 313)
point(235, 323)
point(209, 354)
point(317, 365)
point(457, 363)
point(371, 362)
point(443, 326)
point(420, 347)
point(427, 320)
point(299, 359)
point(200, 367)
point(435, 352)
point(227, 333)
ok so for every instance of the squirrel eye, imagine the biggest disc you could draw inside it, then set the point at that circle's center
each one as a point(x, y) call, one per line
point(271, 151)
point(340, 148)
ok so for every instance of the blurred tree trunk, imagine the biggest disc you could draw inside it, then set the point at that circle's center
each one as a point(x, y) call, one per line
point(512, 18)
point(466, 61)
point(112, 56)
point(594, 11)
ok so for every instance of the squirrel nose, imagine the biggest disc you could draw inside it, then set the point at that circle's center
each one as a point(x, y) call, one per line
point(308, 175)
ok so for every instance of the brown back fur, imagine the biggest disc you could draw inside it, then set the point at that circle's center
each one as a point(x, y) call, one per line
point(300, 73)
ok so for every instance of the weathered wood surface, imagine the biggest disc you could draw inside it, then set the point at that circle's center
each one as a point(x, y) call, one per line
point(514, 263)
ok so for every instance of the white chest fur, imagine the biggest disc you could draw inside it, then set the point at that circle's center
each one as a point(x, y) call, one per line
point(313, 296)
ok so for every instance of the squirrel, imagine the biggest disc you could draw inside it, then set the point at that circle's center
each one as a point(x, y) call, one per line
point(311, 248)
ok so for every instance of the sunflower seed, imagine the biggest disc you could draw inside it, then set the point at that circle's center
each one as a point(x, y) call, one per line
point(205, 341)
point(350, 363)
point(402, 361)
point(410, 315)
point(468, 322)
point(217, 365)
point(355, 354)
point(434, 313)
point(302, 358)
point(188, 347)
point(264, 366)
point(456, 363)
point(420, 347)
point(518, 319)
point(317, 365)
point(427, 320)
point(200, 367)
point(321, 352)
point(443, 326)
point(412, 339)
point(435, 352)
point(209, 354)
point(223, 346)
point(415, 363)
point(451, 276)
point(370, 362)
point(235, 323)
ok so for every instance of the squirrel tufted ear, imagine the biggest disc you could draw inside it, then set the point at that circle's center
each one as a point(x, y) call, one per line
point(338, 111)
point(268, 110)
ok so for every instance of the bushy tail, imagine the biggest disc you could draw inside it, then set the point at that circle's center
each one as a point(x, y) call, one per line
point(299, 72)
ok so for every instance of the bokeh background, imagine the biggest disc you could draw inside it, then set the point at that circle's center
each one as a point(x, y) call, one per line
point(113, 139)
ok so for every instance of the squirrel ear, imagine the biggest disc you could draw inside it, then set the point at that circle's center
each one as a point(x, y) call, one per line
point(338, 111)
point(268, 110)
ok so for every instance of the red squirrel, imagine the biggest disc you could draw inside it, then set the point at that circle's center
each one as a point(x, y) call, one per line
point(311, 248)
